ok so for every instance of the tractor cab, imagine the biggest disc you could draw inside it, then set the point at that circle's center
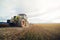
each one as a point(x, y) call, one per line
point(23, 16)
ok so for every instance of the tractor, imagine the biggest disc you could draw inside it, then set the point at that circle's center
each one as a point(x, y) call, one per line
point(18, 21)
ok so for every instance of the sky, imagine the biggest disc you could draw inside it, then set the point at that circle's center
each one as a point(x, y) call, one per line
point(37, 11)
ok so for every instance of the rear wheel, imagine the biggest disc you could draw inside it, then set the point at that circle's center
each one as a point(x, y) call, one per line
point(23, 23)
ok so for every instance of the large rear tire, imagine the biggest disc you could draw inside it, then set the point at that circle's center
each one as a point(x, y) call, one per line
point(23, 23)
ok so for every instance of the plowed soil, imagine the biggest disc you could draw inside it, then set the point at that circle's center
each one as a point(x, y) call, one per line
point(33, 32)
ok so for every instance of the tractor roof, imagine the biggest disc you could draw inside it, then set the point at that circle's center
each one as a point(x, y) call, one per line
point(22, 14)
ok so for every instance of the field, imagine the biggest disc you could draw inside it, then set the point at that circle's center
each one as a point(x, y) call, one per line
point(33, 32)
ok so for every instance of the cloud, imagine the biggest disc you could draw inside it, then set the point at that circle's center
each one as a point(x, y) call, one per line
point(38, 11)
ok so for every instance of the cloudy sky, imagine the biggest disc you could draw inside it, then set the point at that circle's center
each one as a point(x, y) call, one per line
point(38, 11)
